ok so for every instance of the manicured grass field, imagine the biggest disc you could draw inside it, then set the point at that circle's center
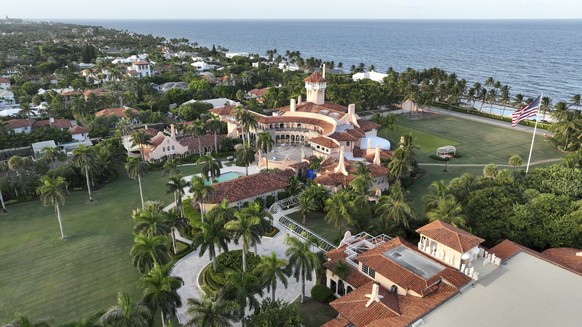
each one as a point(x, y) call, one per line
point(316, 222)
point(477, 143)
point(43, 276)
point(315, 314)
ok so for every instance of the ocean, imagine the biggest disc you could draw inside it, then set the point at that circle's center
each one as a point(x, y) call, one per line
point(529, 56)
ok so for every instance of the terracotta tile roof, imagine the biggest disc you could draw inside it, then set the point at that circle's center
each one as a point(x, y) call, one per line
point(315, 77)
point(334, 179)
point(58, 123)
point(355, 278)
point(392, 310)
point(325, 142)
point(70, 93)
point(403, 277)
point(258, 92)
point(567, 256)
point(507, 249)
point(18, 123)
point(377, 170)
point(384, 154)
point(343, 136)
point(300, 165)
point(150, 131)
point(249, 186)
point(356, 133)
point(367, 125)
point(77, 129)
point(223, 111)
point(141, 62)
point(119, 112)
point(98, 92)
point(315, 108)
point(206, 141)
point(4, 80)
point(337, 322)
point(358, 153)
point(326, 126)
point(453, 237)
point(133, 72)
point(157, 140)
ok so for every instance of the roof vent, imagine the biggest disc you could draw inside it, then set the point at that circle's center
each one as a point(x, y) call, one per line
point(393, 289)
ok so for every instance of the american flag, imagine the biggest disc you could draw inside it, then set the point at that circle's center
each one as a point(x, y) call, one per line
point(529, 110)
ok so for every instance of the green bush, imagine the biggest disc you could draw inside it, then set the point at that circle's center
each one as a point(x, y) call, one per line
point(321, 293)
point(232, 260)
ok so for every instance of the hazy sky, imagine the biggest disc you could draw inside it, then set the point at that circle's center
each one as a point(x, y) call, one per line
point(297, 9)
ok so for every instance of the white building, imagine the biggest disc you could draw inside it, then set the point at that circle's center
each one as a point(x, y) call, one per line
point(375, 76)
point(4, 83)
point(202, 66)
point(6, 97)
point(140, 69)
point(236, 54)
point(285, 66)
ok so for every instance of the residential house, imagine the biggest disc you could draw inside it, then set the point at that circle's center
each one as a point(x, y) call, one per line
point(62, 124)
point(236, 54)
point(258, 94)
point(19, 126)
point(4, 83)
point(202, 66)
point(140, 69)
point(119, 113)
point(375, 76)
point(6, 97)
point(79, 133)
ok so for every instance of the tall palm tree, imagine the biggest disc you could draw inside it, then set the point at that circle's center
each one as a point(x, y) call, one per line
point(222, 211)
point(140, 139)
point(339, 209)
point(84, 159)
point(215, 126)
point(137, 169)
point(393, 209)
point(265, 143)
point(302, 260)
point(149, 223)
point(518, 100)
point(200, 192)
point(52, 154)
point(205, 312)
point(306, 204)
point(23, 321)
point(210, 167)
point(245, 154)
point(576, 100)
point(239, 117)
point(176, 185)
point(566, 127)
point(160, 291)
point(546, 105)
point(272, 269)
point(174, 223)
point(149, 251)
point(127, 313)
point(197, 129)
point(448, 210)
point(211, 234)
point(241, 288)
point(438, 190)
point(244, 227)
point(171, 167)
point(52, 193)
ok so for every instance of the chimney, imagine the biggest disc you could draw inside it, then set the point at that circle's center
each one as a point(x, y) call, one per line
point(292, 106)
point(299, 100)
point(323, 75)
point(172, 131)
point(375, 296)
point(351, 109)
point(369, 147)
point(145, 127)
point(51, 121)
point(377, 156)
point(341, 166)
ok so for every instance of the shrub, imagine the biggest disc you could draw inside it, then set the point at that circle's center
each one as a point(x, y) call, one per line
point(232, 260)
point(321, 293)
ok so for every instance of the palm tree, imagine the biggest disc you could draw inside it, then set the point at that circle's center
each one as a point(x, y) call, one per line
point(52, 154)
point(546, 105)
point(140, 139)
point(393, 209)
point(566, 127)
point(245, 154)
point(171, 167)
point(160, 291)
point(200, 192)
point(265, 142)
point(302, 260)
point(518, 100)
point(123, 127)
point(242, 288)
point(249, 122)
point(210, 167)
point(211, 234)
point(576, 100)
point(91, 321)
point(84, 159)
point(306, 204)
point(222, 211)
point(149, 222)
point(243, 227)
point(137, 169)
point(438, 190)
point(239, 117)
point(215, 126)
point(51, 192)
point(197, 129)
point(271, 269)
point(149, 251)
point(174, 223)
point(176, 185)
point(127, 313)
point(448, 210)
point(208, 313)
point(23, 321)
point(339, 209)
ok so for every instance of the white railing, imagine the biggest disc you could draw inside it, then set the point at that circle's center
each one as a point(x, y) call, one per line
point(305, 233)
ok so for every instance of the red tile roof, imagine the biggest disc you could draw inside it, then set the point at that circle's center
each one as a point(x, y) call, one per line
point(205, 141)
point(4, 80)
point(567, 256)
point(343, 136)
point(70, 93)
point(249, 186)
point(259, 92)
point(453, 237)
point(18, 123)
point(326, 126)
point(300, 165)
point(119, 112)
point(77, 129)
point(315, 77)
point(325, 142)
point(316, 108)
point(141, 62)
point(98, 92)
point(58, 123)
point(223, 111)
point(337, 322)
point(367, 125)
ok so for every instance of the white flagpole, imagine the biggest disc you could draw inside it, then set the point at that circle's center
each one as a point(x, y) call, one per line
point(534, 133)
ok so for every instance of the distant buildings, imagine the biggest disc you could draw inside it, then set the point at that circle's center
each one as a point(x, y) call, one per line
point(375, 76)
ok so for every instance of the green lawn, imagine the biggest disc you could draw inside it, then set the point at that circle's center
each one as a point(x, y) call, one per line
point(477, 143)
point(45, 277)
point(315, 314)
point(316, 222)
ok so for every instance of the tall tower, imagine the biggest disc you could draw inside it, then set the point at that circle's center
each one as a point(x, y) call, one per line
point(315, 85)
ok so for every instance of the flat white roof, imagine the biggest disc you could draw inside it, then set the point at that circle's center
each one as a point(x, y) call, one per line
point(526, 291)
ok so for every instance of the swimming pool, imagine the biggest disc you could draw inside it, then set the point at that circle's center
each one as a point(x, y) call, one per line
point(226, 177)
